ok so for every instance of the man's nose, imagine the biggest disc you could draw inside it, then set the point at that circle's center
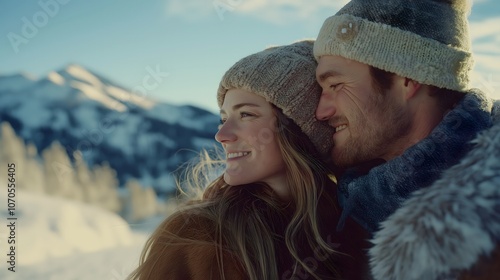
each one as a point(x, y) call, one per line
point(326, 107)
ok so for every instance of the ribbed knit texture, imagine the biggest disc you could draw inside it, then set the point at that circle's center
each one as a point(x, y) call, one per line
point(285, 77)
point(424, 40)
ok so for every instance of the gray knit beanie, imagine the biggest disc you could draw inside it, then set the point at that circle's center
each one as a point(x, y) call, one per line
point(424, 40)
point(285, 77)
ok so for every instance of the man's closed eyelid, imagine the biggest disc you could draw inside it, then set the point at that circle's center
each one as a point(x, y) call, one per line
point(336, 86)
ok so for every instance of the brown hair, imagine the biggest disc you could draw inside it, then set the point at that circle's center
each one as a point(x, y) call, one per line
point(381, 80)
point(446, 98)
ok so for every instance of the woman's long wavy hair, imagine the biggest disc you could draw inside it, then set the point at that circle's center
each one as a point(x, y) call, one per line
point(273, 239)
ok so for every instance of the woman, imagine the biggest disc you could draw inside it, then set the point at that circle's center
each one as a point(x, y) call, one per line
point(272, 214)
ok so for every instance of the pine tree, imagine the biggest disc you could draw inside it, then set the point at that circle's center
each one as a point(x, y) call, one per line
point(107, 185)
point(140, 203)
point(86, 180)
point(60, 176)
point(35, 182)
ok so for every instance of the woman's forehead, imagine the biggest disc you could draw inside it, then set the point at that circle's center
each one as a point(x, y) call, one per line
point(240, 97)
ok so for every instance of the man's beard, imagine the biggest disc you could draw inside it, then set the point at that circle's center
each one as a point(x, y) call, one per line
point(370, 140)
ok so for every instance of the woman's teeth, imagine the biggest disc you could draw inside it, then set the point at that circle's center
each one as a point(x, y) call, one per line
point(234, 155)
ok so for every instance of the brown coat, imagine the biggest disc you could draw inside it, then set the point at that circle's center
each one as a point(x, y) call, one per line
point(176, 260)
point(352, 242)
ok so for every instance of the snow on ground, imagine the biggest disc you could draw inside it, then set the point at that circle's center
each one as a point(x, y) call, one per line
point(58, 239)
point(110, 264)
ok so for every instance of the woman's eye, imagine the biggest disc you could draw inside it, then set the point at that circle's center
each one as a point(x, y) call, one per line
point(221, 123)
point(245, 114)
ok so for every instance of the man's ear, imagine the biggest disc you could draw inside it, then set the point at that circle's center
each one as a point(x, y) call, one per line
point(411, 88)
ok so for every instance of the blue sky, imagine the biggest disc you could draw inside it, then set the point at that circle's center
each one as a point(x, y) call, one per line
point(194, 41)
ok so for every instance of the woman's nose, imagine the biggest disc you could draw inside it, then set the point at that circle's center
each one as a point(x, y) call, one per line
point(226, 133)
point(326, 107)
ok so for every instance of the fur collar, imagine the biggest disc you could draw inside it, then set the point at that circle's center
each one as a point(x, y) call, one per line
point(445, 228)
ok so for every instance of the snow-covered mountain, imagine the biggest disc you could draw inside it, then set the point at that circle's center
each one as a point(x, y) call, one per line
point(139, 137)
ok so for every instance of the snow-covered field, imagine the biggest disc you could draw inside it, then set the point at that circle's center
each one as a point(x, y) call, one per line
point(58, 239)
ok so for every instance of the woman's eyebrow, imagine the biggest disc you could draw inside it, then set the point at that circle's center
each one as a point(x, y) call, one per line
point(237, 106)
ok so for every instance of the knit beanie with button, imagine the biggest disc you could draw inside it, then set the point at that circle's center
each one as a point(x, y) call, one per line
point(285, 77)
point(424, 40)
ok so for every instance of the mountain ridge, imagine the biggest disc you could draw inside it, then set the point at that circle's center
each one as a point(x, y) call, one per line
point(139, 137)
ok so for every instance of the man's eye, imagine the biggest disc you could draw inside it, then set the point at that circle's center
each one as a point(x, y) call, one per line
point(335, 86)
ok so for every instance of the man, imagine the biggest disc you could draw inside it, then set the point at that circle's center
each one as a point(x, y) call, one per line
point(412, 136)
